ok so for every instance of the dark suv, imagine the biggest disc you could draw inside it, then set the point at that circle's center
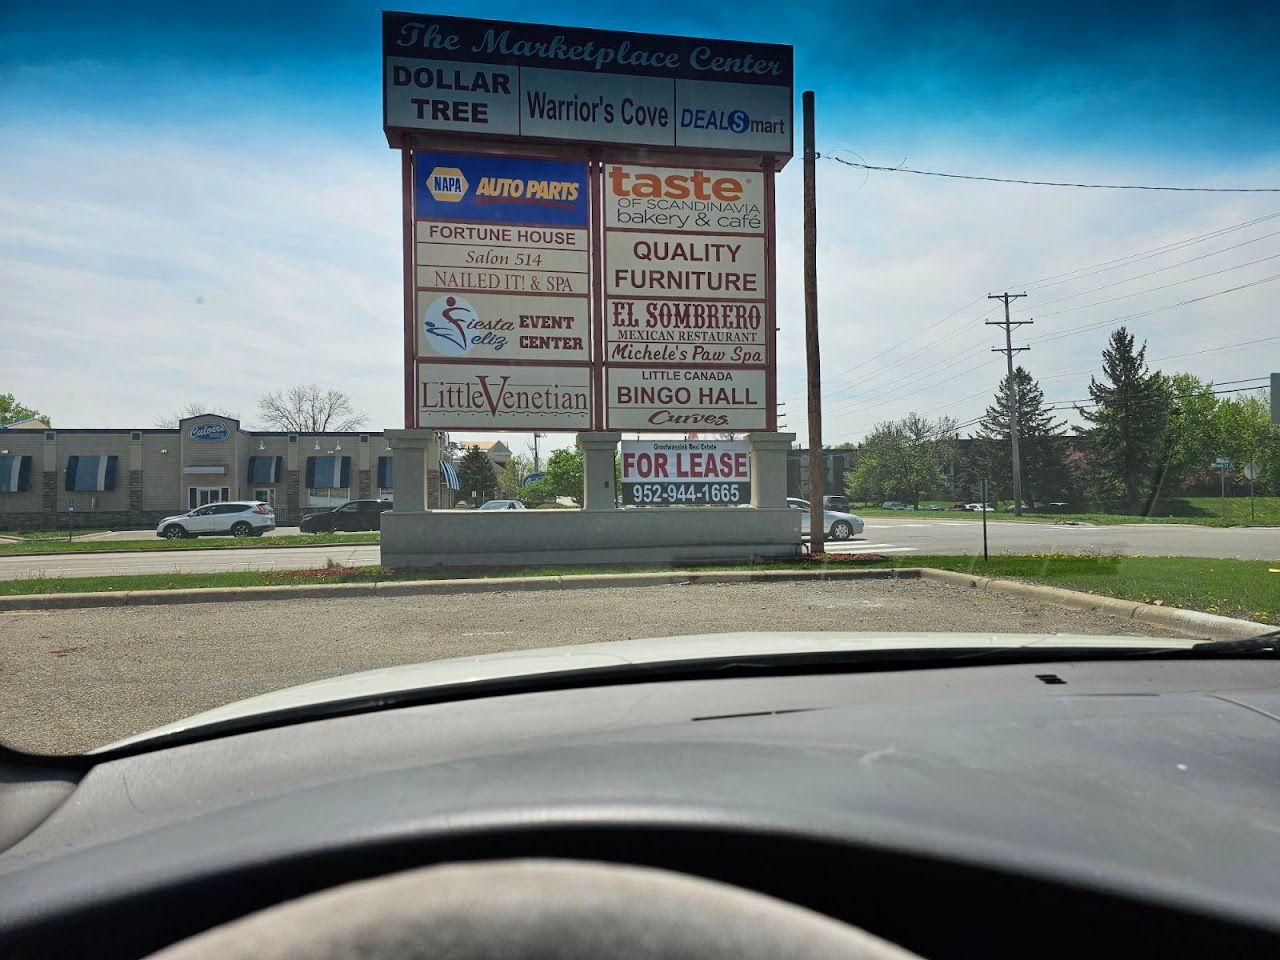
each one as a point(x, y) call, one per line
point(352, 515)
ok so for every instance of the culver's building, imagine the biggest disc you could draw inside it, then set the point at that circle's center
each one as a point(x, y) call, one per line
point(127, 479)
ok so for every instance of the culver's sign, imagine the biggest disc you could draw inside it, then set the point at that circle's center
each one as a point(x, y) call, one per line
point(209, 432)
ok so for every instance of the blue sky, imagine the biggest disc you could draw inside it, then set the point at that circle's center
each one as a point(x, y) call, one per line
point(173, 172)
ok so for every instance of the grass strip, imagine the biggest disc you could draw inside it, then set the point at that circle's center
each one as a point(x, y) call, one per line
point(202, 543)
point(1200, 511)
point(1235, 588)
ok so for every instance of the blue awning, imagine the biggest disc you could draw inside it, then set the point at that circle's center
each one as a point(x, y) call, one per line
point(386, 473)
point(265, 469)
point(326, 473)
point(450, 475)
point(91, 473)
point(15, 474)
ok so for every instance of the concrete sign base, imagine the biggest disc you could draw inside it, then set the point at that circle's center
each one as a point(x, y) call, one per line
point(510, 538)
point(413, 535)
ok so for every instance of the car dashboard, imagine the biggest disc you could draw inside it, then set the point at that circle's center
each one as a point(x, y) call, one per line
point(1062, 809)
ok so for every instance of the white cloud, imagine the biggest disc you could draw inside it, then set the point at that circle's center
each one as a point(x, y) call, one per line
point(144, 269)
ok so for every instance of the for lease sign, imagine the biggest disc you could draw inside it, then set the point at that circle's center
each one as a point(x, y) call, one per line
point(493, 79)
point(658, 472)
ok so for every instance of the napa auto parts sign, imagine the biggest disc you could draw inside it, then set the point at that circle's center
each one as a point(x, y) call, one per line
point(497, 80)
point(664, 472)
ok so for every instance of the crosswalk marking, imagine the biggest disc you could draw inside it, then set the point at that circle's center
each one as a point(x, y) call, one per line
point(857, 546)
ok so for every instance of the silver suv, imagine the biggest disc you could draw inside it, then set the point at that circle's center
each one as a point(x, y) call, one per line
point(236, 518)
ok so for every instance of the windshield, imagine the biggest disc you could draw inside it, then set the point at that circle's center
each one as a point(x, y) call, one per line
point(995, 353)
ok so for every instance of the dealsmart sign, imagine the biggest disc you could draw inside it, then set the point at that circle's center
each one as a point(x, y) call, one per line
point(665, 472)
point(495, 80)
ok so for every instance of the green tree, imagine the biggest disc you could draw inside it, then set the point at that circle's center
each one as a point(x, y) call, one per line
point(1128, 448)
point(903, 460)
point(510, 478)
point(563, 478)
point(11, 411)
point(1041, 445)
point(1249, 436)
point(1194, 429)
point(476, 477)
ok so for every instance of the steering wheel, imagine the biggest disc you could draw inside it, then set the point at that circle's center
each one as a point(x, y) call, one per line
point(535, 910)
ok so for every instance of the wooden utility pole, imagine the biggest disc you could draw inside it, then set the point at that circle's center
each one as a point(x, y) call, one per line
point(1009, 350)
point(817, 543)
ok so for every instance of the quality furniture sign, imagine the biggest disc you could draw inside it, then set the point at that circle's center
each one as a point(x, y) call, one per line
point(485, 79)
point(666, 472)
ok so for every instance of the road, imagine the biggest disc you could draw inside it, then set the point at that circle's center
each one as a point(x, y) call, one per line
point(77, 679)
point(882, 535)
point(919, 535)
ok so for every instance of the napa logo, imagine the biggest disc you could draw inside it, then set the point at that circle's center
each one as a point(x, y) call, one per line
point(447, 184)
point(209, 432)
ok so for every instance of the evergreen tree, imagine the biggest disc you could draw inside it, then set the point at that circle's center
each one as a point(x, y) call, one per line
point(1127, 435)
point(476, 476)
point(1041, 446)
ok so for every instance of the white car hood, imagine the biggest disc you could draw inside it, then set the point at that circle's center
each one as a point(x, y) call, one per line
point(461, 671)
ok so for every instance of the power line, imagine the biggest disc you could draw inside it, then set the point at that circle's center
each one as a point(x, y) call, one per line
point(1046, 183)
point(1108, 265)
point(1055, 280)
point(1163, 286)
point(1147, 313)
point(1151, 273)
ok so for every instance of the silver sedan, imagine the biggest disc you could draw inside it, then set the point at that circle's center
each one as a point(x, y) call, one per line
point(836, 525)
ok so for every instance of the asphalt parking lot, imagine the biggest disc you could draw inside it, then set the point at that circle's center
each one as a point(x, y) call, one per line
point(73, 680)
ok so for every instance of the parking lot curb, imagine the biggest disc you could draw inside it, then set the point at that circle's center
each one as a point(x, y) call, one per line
point(1191, 622)
point(410, 588)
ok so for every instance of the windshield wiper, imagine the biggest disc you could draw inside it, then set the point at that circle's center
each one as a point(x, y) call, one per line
point(1262, 645)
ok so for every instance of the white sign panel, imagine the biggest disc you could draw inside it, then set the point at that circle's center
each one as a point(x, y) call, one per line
point(482, 326)
point(492, 397)
point(685, 332)
point(684, 398)
point(683, 198)
point(660, 472)
point(666, 265)
point(485, 78)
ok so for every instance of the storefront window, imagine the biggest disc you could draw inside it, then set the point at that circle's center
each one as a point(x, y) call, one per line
point(328, 496)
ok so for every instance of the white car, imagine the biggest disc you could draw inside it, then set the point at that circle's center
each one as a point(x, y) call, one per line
point(237, 518)
point(502, 505)
point(836, 525)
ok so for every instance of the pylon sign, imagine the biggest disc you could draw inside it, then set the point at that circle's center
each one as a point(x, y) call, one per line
point(589, 224)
